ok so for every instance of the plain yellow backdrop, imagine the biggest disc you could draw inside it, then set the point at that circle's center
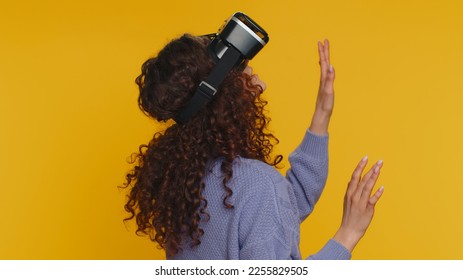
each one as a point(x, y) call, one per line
point(69, 117)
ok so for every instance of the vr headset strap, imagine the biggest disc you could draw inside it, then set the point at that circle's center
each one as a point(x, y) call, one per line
point(208, 88)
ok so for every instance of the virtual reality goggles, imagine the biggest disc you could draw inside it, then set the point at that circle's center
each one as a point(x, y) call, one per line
point(236, 42)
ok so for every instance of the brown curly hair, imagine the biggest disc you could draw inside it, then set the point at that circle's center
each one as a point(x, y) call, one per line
point(166, 182)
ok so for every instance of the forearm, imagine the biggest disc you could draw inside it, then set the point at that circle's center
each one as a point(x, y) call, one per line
point(320, 122)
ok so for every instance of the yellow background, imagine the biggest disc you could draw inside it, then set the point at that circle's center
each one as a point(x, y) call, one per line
point(69, 117)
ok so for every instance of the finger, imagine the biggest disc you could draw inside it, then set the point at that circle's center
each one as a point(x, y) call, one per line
point(367, 176)
point(322, 61)
point(374, 199)
point(366, 192)
point(356, 175)
point(328, 83)
point(322, 53)
point(364, 180)
point(328, 60)
point(328, 86)
point(327, 51)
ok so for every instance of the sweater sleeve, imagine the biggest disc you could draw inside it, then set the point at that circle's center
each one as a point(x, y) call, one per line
point(332, 250)
point(308, 172)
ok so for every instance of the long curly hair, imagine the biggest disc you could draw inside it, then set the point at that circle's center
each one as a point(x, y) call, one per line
point(166, 183)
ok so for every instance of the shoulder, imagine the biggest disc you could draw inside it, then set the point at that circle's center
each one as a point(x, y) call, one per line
point(254, 167)
point(250, 176)
point(245, 169)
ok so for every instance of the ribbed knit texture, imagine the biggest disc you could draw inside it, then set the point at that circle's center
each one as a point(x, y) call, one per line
point(268, 208)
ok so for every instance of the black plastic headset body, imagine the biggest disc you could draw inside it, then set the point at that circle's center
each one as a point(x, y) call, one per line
point(238, 40)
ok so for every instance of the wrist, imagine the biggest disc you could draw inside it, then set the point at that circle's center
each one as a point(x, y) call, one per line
point(320, 122)
point(347, 238)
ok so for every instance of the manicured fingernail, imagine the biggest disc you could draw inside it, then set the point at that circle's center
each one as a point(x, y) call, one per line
point(365, 158)
point(379, 162)
point(331, 68)
point(376, 169)
point(381, 189)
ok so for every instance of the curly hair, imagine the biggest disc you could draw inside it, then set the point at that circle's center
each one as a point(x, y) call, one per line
point(166, 182)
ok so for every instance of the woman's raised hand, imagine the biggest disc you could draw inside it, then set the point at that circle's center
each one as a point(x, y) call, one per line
point(325, 98)
point(359, 204)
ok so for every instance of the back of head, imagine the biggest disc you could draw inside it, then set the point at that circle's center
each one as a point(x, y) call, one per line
point(169, 79)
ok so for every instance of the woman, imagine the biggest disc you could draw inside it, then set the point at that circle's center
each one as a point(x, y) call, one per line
point(208, 189)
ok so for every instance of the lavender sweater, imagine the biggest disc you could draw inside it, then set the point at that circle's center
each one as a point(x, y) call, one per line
point(268, 208)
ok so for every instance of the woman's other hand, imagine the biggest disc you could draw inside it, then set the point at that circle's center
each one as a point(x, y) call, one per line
point(325, 98)
point(359, 204)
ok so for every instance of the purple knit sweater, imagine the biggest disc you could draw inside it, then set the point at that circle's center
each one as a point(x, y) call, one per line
point(268, 208)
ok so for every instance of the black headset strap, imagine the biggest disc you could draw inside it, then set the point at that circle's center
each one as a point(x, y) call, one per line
point(207, 89)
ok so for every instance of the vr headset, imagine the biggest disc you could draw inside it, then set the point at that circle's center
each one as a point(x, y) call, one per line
point(238, 41)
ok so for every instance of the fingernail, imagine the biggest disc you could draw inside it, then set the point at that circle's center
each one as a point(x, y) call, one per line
point(381, 189)
point(380, 162)
point(331, 68)
point(365, 158)
point(376, 169)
